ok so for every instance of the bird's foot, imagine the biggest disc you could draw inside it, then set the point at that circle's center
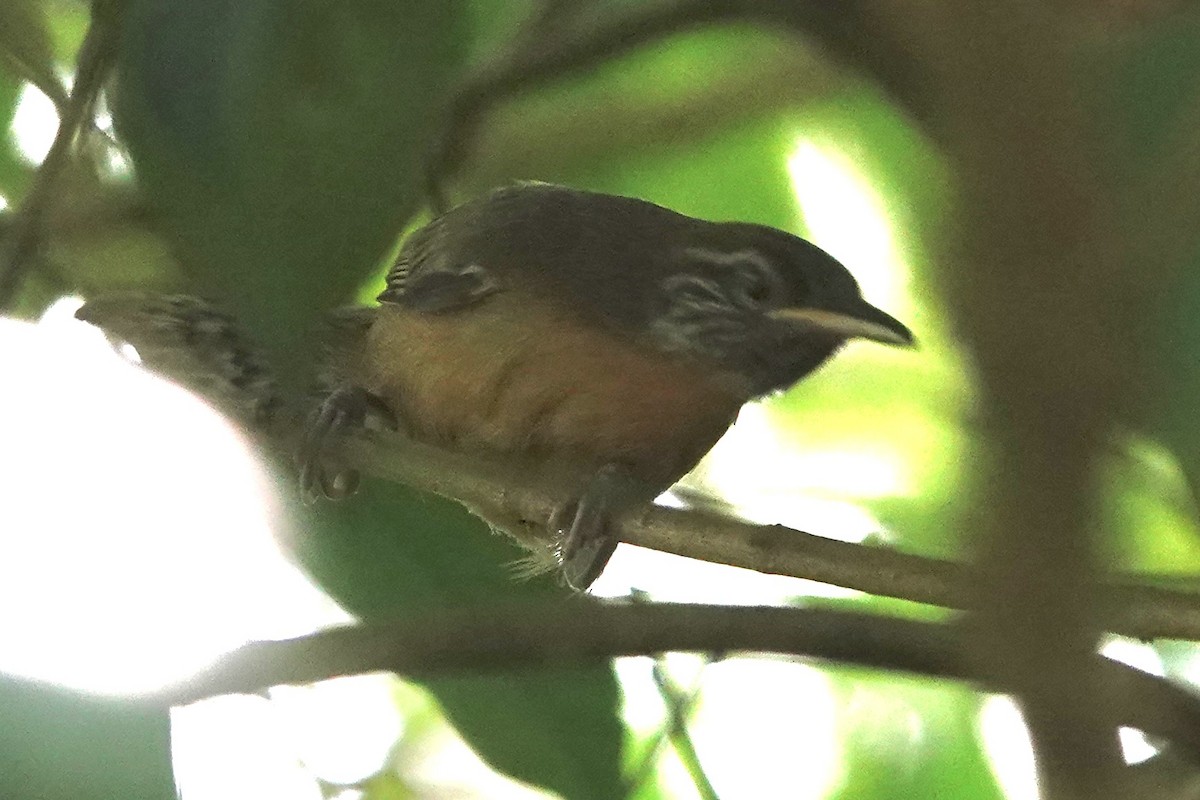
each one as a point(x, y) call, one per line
point(343, 411)
point(583, 526)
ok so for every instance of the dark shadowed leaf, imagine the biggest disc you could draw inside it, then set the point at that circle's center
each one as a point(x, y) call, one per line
point(1154, 97)
point(390, 551)
point(281, 141)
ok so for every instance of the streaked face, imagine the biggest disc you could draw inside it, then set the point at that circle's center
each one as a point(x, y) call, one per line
point(764, 305)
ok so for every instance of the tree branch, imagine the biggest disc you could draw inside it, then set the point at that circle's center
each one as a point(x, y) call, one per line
point(1038, 265)
point(499, 489)
point(567, 633)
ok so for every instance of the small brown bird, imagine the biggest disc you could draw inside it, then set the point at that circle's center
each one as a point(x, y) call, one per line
point(602, 337)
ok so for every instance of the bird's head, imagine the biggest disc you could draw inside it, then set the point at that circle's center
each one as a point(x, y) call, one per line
point(763, 304)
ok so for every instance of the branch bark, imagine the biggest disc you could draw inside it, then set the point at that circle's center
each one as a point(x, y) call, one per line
point(1048, 300)
point(558, 634)
point(496, 488)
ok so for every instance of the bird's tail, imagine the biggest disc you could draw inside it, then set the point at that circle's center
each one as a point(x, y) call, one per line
point(199, 346)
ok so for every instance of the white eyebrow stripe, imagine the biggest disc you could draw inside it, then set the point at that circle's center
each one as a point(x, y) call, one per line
point(729, 259)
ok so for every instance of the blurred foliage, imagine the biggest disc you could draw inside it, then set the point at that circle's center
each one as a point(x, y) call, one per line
point(12, 171)
point(910, 738)
point(276, 147)
point(58, 744)
point(392, 550)
point(26, 47)
point(1153, 107)
point(280, 143)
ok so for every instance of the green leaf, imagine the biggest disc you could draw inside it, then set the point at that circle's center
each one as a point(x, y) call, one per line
point(389, 551)
point(387, 786)
point(1148, 504)
point(59, 745)
point(910, 738)
point(281, 140)
point(1147, 98)
point(26, 47)
point(494, 23)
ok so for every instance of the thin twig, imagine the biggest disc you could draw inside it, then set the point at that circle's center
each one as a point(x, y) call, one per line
point(679, 708)
point(561, 633)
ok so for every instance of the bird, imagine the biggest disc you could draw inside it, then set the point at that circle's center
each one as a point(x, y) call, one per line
point(600, 337)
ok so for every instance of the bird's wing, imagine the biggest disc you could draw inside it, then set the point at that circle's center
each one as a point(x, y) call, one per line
point(437, 285)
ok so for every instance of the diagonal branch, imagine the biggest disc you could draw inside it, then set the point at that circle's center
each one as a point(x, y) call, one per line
point(95, 58)
point(497, 489)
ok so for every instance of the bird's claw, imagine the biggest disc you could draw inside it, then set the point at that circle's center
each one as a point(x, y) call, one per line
point(584, 527)
point(585, 545)
point(343, 410)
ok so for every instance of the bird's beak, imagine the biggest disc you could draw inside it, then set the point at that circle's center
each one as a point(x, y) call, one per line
point(861, 321)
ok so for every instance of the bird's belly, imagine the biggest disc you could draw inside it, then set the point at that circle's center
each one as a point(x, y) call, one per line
point(553, 390)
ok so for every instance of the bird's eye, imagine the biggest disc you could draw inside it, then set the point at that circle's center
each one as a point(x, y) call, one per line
point(756, 280)
point(758, 290)
point(746, 277)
